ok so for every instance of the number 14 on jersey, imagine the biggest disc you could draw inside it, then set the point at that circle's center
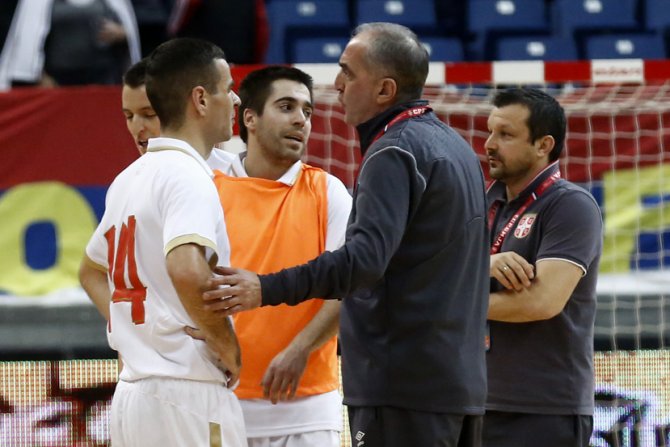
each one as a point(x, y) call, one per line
point(121, 258)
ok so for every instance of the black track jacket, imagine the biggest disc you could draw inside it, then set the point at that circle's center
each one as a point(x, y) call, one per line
point(413, 272)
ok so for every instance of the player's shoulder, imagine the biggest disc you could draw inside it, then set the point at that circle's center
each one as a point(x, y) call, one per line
point(310, 173)
point(338, 194)
point(313, 169)
point(129, 171)
point(335, 183)
point(316, 172)
point(178, 171)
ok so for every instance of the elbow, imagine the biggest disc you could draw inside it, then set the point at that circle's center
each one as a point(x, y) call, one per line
point(366, 276)
point(368, 257)
point(81, 274)
point(87, 275)
point(187, 281)
point(542, 310)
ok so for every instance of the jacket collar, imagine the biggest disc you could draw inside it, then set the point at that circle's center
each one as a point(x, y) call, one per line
point(368, 130)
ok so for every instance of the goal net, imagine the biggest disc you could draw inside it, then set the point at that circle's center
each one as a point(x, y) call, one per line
point(618, 148)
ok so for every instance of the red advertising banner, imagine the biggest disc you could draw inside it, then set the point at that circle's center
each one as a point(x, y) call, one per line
point(61, 148)
point(74, 135)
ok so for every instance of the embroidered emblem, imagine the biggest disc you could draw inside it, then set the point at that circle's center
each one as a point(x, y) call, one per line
point(524, 226)
point(359, 437)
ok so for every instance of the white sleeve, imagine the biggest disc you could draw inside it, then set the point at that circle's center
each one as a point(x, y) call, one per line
point(339, 207)
point(96, 249)
point(192, 213)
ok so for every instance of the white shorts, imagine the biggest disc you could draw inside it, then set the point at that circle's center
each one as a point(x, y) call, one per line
point(164, 412)
point(322, 438)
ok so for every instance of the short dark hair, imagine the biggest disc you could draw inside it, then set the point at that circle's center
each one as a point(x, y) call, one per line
point(136, 75)
point(256, 88)
point(546, 116)
point(176, 67)
point(398, 53)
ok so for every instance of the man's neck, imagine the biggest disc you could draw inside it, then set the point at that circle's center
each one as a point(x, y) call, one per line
point(515, 187)
point(258, 166)
point(193, 138)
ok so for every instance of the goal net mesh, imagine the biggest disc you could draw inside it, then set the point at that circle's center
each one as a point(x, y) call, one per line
point(618, 148)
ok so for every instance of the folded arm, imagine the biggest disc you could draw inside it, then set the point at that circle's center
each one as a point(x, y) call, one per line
point(512, 270)
point(547, 295)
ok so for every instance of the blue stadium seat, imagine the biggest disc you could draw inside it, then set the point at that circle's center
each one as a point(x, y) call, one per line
point(625, 46)
point(488, 20)
point(318, 49)
point(419, 15)
point(290, 19)
point(536, 48)
point(657, 15)
point(571, 16)
point(506, 15)
point(443, 49)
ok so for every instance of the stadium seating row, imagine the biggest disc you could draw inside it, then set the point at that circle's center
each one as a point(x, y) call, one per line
point(317, 30)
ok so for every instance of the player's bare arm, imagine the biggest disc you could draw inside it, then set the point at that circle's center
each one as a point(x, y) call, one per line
point(546, 297)
point(512, 270)
point(190, 274)
point(244, 292)
point(281, 378)
point(94, 282)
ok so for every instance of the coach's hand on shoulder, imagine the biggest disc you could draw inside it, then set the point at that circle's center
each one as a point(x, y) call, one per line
point(233, 291)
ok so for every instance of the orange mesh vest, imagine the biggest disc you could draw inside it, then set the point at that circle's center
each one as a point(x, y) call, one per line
point(272, 226)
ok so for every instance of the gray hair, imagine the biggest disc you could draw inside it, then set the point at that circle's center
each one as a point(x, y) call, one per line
point(398, 54)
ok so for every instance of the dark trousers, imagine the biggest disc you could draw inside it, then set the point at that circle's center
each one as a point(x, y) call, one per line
point(503, 429)
point(396, 427)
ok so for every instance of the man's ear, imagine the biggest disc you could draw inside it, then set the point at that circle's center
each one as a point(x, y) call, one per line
point(199, 100)
point(387, 89)
point(249, 119)
point(546, 145)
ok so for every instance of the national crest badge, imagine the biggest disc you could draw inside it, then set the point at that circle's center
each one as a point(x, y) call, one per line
point(523, 227)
